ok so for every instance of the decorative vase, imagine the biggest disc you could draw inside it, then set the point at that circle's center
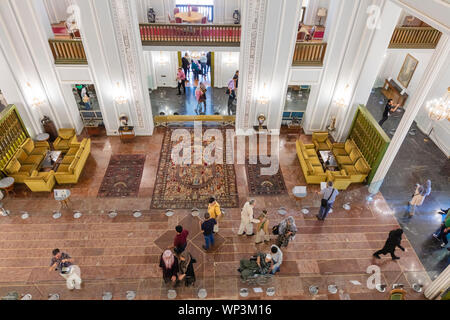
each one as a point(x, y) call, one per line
point(151, 15)
point(237, 17)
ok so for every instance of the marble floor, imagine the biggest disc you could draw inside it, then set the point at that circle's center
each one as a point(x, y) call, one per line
point(428, 162)
point(122, 254)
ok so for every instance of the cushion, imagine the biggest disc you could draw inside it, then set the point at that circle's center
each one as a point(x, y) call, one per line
point(63, 168)
point(27, 168)
point(339, 152)
point(315, 161)
point(83, 144)
point(355, 155)
point(362, 166)
point(310, 167)
point(66, 134)
point(73, 165)
point(34, 159)
point(72, 151)
point(21, 155)
point(39, 151)
point(68, 159)
point(79, 153)
point(318, 169)
point(28, 146)
point(350, 170)
point(348, 146)
point(311, 153)
point(63, 144)
point(13, 166)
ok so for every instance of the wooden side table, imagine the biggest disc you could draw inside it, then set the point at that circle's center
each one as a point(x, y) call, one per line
point(41, 137)
point(7, 184)
point(63, 196)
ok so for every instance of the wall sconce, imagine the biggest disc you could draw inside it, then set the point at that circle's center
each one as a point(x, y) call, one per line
point(35, 100)
point(120, 96)
point(162, 58)
point(342, 102)
point(264, 98)
point(439, 109)
point(229, 60)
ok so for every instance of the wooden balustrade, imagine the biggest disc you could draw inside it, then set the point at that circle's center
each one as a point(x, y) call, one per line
point(190, 34)
point(68, 51)
point(309, 53)
point(415, 38)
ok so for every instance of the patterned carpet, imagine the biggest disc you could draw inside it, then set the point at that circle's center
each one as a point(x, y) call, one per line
point(123, 176)
point(189, 186)
point(263, 185)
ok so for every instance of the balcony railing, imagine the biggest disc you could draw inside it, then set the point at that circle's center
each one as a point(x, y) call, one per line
point(68, 51)
point(415, 38)
point(190, 34)
point(309, 53)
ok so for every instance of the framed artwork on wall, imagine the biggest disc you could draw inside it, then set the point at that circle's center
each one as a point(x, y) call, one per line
point(407, 70)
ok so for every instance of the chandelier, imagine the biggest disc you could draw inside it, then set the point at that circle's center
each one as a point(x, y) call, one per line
point(120, 97)
point(264, 98)
point(35, 100)
point(439, 109)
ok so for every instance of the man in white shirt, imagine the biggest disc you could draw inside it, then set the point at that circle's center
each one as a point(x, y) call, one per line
point(247, 219)
point(277, 258)
point(328, 196)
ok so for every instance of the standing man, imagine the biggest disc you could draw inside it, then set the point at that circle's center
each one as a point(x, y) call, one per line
point(393, 241)
point(231, 96)
point(63, 263)
point(181, 78)
point(180, 241)
point(185, 64)
point(388, 110)
point(328, 197)
point(236, 79)
point(203, 62)
point(214, 212)
point(247, 219)
point(208, 61)
point(208, 231)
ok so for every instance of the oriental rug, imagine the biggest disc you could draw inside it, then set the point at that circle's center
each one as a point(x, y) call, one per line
point(123, 176)
point(184, 186)
point(262, 184)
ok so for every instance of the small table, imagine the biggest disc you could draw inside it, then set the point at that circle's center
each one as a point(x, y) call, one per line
point(63, 196)
point(51, 161)
point(327, 156)
point(41, 137)
point(7, 184)
point(194, 17)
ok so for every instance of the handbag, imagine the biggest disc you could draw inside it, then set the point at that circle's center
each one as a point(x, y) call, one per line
point(324, 202)
point(275, 229)
point(228, 91)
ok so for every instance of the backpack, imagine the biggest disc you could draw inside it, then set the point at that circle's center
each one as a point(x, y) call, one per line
point(275, 229)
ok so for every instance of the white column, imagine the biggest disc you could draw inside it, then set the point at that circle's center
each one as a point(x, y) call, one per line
point(417, 100)
point(311, 12)
point(267, 48)
point(24, 33)
point(112, 43)
point(441, 283)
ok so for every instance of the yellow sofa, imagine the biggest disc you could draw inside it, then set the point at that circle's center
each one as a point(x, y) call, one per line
point(26, 159)
point(321, 141)
point(41, 181)
point(354, 155)
point(343, 149)
point(341, 180)
point(309, 161)
point(66, 139)
point(70, 169)
point(359, 171)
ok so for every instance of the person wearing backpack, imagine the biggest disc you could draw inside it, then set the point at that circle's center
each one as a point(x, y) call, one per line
point(328, 197)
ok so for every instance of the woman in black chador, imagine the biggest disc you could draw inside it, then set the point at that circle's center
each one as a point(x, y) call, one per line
point(395, 237)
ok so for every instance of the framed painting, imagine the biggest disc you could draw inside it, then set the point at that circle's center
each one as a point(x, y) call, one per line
point(407, 70)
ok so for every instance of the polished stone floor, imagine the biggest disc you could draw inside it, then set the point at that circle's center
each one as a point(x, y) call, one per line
point(427, 162)
point(121, 254)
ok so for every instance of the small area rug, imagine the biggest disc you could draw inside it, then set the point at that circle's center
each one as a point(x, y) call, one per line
point(263, 185)
point(123, 176)
point(189, 186)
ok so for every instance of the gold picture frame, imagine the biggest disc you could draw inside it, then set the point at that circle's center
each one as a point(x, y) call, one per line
point(407, 71)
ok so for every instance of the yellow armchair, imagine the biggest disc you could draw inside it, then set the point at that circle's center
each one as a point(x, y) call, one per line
point(66, 138)
point(19, 171)
point(308, 159)
point(359, 171)
point(350, 159)
point(69, 173)
point(35, 148)
point(41, 181)
point(321, 141)
point(340, 179)
point(343, 149)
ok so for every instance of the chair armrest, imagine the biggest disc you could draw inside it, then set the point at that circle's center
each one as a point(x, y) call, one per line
point(57, 141)
point(35, 173)
point(330, 145)
point(40, 144)
point(73, 141)
point(339, 145)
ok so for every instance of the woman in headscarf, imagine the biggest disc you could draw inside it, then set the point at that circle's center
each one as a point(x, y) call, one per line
point(419, 196)
point(169, 265)
point(261, 265)
point(262, 228)
point(393, 241)
point(286, 231)
point(186, 268)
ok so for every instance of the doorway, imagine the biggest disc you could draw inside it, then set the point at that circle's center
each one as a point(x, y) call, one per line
point(205, 64)
point(87, 102)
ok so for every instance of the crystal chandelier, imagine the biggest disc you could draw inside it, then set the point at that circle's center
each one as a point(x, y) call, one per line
point(439, 109)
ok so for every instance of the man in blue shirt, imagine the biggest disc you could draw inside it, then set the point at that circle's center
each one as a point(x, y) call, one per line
point(328, 197)
point(208, 231)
